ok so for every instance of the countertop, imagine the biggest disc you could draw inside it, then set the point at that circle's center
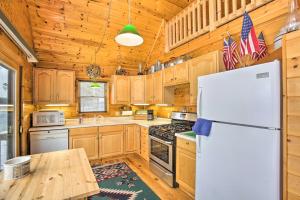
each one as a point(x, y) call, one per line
point(106, 121)
point(56, 175)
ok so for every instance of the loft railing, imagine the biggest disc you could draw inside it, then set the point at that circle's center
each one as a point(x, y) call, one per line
point(202, 16)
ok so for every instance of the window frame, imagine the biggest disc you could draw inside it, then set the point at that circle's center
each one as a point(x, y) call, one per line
point(106, 96)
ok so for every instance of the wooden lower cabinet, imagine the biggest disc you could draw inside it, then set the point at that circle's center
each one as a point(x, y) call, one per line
point(186, 165)
point(86, 138)
point(111, 141)
point(144, 152)
point(132, 138)
point(108, 141)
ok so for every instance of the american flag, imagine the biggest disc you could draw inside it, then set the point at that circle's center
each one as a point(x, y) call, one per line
point(262, 47)
point(249, 41)
point(230, 54)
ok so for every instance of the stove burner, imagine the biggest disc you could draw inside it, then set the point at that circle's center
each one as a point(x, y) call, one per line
point(167, 131)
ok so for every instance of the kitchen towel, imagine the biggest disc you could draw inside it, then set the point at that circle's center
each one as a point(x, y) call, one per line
point(202, 127)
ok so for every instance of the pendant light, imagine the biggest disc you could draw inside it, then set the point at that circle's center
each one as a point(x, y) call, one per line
point(93, 70)
point(129, 36)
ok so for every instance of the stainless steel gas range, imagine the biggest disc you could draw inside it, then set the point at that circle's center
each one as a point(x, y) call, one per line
point(163, 145)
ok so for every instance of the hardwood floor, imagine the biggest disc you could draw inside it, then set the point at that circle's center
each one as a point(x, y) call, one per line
point(141, 168)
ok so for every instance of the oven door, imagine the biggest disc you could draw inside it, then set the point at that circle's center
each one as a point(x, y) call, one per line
point(161, 152)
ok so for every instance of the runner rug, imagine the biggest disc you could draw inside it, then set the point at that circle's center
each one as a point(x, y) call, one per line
point(119, 182)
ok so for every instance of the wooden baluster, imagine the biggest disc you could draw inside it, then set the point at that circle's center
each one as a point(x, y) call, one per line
point(173, 33)
point(195, 24)
point(219, 7)
point(234, 7)
point(243, 4)
point(176, 29)
point(185, 25)
point(199, 16)
point(204, 15)
point(212, 15)
point(226, 9)
point(167, 37)
point(189, 22)
point(182, 26)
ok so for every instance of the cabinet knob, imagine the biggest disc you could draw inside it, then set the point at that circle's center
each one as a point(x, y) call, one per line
point(187, 143)
point(295, 66)
point(288, 140)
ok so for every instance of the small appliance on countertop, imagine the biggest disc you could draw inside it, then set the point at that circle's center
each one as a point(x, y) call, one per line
point(48, 118)
point(144, 115)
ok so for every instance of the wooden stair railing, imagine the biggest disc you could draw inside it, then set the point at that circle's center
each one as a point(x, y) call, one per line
point(202, 16)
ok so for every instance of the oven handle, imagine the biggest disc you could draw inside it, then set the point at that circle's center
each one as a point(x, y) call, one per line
point(162, 141)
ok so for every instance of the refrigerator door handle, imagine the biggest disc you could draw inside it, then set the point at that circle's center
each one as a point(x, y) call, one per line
point(198, 101)
point(198, 146)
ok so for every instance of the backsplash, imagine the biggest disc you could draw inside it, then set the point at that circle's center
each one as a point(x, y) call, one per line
point(114, 110)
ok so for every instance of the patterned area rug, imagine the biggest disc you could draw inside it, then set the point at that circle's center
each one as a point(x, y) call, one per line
point(119, 182)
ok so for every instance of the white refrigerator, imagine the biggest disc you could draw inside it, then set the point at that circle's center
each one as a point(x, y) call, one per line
point(240, 159)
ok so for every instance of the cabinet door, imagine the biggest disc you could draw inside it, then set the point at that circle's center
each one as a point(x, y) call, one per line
point(203, 65)
point(149, 84)
point(137, 89)
point(44, 82)
point(65, 86)
point(86, 138)
point(158, 88)
point(181, 73)
point(168, 76)
point(186, 170)
point(130, 139)
point(144, 143)
point(120, 90)
point(111, 144)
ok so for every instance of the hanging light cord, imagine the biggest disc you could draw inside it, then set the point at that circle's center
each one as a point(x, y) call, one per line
point(105, 29)
point(129, 14)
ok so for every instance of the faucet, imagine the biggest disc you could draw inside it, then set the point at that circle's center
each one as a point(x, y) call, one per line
point(98, 117)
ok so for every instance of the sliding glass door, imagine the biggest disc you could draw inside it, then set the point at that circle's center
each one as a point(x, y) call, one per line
point(7, 113)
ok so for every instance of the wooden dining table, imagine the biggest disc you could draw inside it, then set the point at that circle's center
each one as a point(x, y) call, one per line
point(56, 175)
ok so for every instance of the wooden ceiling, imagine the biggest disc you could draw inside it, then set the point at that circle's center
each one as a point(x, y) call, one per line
point(67, 32)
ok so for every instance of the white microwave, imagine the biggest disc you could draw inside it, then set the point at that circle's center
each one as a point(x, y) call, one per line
point(48, 118)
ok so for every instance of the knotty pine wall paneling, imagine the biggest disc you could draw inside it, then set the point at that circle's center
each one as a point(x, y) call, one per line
point(17, 12)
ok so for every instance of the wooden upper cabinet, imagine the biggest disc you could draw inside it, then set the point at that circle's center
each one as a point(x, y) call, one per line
point(149, 89)
point(178, 74)
point(54, 86)
point(65, 86)
point(158, 88)
point(44, 81)
point(181, 73)
point(137, 89)
point(199, 66)
point(168, 75)
point(120, 89)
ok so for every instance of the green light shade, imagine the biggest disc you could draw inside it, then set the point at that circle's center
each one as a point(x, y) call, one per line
point(95, 85)
point(129, 36)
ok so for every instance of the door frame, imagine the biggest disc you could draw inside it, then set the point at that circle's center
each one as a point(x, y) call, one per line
point(16, 107)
